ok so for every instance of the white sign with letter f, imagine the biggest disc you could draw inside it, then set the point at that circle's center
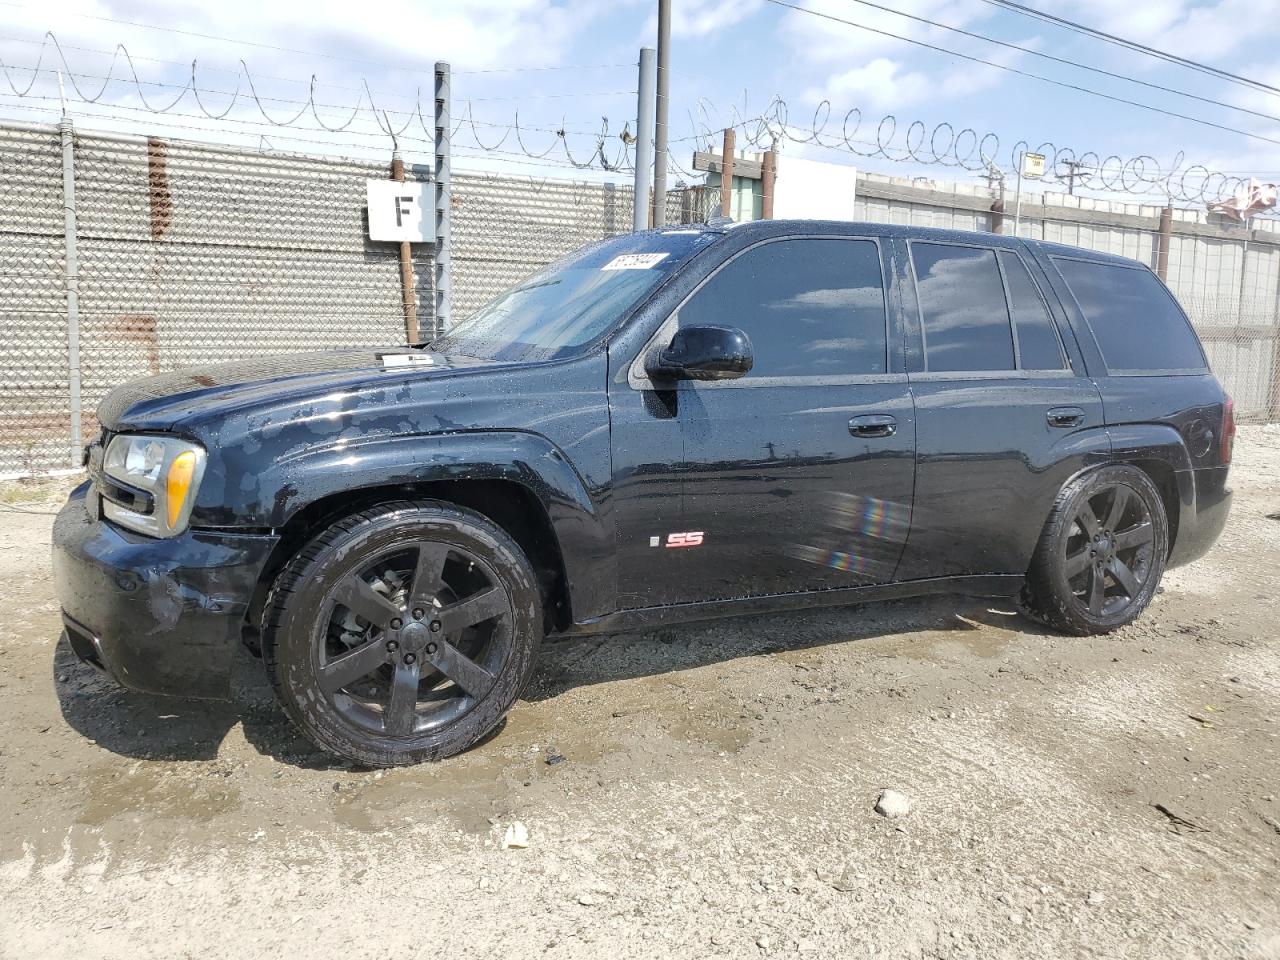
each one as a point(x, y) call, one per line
point(401, 211)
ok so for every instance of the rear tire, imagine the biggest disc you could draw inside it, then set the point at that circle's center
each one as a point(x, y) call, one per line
point(1101, 554)
point(403, 633)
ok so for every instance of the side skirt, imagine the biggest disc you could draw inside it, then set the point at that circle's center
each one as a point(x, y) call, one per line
point(993, 585)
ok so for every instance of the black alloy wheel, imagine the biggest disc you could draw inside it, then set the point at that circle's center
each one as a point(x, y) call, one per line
point(1101, 554)
point(1107, 554)
point(403, 633)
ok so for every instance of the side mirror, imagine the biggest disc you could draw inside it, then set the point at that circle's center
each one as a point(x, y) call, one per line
point(703, 353)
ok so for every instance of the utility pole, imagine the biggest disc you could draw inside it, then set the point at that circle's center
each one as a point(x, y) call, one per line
point(993, 176)
point(644, 141)
point(1072, 166)
point(726, 172)
point(660, 121)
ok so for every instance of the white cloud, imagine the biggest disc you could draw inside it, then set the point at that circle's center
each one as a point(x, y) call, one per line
point(700, 18)
point(827, 40)
point(1201, 31)
point(882, 84)
point(891, 74)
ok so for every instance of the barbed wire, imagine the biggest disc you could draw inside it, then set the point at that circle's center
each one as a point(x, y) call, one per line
point(942, 144)
point(292, 113)
point(964, 148)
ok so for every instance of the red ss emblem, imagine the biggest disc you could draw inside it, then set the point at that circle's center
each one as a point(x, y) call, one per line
point(691, 539)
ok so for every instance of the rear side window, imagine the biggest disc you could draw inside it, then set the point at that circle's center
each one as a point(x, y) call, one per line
point(812, 307)
point(1038, 345)
point(962, 307)
point(1136, 322)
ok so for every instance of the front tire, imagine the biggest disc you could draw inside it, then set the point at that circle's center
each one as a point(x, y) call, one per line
point(403, 633)
point(1101, 554)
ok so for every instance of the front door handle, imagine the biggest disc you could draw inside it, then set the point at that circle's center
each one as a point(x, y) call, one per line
point(1065, 416)
point(873, 425)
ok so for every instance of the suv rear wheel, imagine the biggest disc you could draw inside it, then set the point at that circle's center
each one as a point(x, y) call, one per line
point(403, 633)
point(1101, 554)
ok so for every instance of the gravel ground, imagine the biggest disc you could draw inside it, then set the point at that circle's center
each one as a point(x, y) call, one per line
point(1109, 797)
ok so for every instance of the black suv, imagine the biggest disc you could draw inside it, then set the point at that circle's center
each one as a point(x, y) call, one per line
point(670, 425)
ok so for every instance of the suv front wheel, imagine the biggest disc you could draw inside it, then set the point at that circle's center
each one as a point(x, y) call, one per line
point(1101, 554)
point(403, 633)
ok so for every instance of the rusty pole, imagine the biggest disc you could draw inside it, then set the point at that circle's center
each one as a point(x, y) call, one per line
point(1166, 237)
point(726, 172)
point(768, 177)
point(407, 292)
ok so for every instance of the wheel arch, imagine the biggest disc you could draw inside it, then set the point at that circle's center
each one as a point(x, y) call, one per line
point(521, 482)
point(1158, 451)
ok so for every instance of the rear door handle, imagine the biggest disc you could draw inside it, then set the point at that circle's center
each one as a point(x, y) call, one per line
point(1065, 416)
point(873, 425)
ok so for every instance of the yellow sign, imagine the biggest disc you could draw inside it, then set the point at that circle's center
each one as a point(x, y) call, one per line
point(1033, 164)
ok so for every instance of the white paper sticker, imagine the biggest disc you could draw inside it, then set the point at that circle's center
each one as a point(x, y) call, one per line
point(635, 261)
point(407, 359)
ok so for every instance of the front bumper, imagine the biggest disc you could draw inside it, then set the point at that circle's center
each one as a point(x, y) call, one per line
point(160, 616)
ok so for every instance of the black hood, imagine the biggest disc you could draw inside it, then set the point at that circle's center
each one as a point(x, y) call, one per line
point(165, 400)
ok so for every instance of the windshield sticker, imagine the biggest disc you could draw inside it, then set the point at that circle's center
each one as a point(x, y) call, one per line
point(406, 360)
point(635, 261)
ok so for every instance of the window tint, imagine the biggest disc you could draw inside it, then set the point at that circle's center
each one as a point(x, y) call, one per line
point(811, 307)
point(1038, 344)
point(962, 306)
point(1136, 322)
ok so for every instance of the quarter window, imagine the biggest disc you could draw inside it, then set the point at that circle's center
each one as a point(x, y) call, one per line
point(811, 307)
point(1135, 320)
point(963, 309)
point(1038, 345)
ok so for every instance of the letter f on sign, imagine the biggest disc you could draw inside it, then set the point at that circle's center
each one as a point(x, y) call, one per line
point(402, 204)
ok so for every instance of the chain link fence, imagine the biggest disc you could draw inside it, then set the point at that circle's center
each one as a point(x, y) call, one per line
point(192, 254)
point(35, 417)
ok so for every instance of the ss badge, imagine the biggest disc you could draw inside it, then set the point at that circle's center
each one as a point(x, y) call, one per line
point(688, 538)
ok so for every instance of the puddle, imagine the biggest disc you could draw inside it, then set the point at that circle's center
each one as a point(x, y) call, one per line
point(468, 794)
point(722, 732)
point(116, 793)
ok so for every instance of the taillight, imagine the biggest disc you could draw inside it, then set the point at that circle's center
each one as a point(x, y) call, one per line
point(1228, 428)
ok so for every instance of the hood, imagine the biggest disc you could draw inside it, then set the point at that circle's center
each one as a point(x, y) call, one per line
point(163, 401)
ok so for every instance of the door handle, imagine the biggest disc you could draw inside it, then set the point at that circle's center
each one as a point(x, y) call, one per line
point(1065, 416)
point(873, 425)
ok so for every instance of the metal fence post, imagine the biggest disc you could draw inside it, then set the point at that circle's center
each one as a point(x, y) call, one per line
point(644, 141)
point(444, 192)
point(71, 273)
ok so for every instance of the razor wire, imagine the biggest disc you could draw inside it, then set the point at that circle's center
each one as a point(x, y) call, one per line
point(159, 98)
point(964, 148)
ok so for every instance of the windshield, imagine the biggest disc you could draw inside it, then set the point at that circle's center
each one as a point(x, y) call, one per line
point(575, 300)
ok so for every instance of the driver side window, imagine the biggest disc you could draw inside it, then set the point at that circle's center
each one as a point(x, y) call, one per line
point(812, 307)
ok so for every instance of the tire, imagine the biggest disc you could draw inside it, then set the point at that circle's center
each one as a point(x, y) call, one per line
point(403, 633)
point(1088, 543)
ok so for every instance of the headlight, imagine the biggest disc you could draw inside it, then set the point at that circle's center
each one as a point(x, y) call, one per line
point(166, 470)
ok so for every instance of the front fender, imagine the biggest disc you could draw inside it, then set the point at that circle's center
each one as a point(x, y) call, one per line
point(284, 487)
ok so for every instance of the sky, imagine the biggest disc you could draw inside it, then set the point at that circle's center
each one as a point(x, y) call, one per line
point(569, 65)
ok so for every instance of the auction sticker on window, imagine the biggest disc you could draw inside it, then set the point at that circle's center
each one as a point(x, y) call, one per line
point(635, 261)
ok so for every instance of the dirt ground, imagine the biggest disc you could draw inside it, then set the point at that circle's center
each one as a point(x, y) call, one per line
point(1104, 797)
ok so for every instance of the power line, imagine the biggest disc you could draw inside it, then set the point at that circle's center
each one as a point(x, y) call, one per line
point(1062, 60)
point(1134, 45)
point(1026, 73)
